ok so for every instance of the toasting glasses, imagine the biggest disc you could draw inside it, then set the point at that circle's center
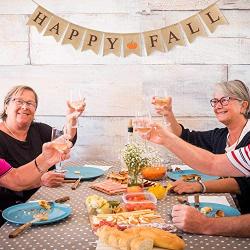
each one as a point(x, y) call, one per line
point(60, 143)
point(161, 99)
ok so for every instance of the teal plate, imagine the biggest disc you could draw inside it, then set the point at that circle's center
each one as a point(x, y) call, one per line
point(23, 213)
point(228, 211)
point(86, 173)
point(176, 175)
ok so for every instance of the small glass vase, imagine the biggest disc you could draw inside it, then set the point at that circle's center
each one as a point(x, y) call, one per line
point(135, 181)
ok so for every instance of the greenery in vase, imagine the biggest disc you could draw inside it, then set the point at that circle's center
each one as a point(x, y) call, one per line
point(137, 157)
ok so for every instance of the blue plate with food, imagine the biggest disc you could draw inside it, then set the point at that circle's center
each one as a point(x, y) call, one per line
point(25, 212)
point(190, 175)
point(217, 210)
point(86, 173)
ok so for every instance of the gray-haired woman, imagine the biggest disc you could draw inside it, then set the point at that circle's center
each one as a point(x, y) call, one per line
point(231, 107)
point(21, 140)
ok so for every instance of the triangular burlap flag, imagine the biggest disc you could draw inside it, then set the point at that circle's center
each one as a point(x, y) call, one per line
point(112, 44)
point(56, 27)
point(40, 18)
point(92, 40)
point(172, 36)
point(193, 28)
point(153, 41)
point(132, 44)
point(213, 17)
point(73, 35)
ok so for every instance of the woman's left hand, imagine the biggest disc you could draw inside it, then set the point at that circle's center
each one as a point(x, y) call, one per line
point(52, 179)
point(182, 187)
point(73, 114)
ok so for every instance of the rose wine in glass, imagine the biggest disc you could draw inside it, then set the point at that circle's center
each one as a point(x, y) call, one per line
point(76, 101)
point(161, 99)
point(142, 124)
point(60, 144)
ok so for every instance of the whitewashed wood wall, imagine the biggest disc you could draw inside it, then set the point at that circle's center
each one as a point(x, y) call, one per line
point(113, 86)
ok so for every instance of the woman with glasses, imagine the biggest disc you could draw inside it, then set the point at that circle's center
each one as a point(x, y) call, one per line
point(21, 140)
point(231, 107)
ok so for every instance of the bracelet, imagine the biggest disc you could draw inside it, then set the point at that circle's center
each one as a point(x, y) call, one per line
point(38, 168)
point(203, 187)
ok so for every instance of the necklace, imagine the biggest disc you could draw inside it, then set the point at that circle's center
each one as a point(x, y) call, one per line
point(11, 132)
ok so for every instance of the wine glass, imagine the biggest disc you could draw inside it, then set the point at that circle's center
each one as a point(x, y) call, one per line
point(60, 144)
point(161, 99)
point(142, 124)
point(76, 101)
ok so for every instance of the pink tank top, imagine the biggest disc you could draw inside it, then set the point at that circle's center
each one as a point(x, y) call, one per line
point(4, 167)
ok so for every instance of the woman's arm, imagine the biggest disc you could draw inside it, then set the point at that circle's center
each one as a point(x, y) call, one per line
point(18, 179)
point(227, 185)
point(190, 220)
point(195, 157)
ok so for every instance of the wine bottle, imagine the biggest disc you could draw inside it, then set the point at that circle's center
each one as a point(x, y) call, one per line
point(130, 132)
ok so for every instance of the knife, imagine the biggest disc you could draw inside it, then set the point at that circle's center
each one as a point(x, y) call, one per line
point(197, 201)
point(62, 199)
point(76, 184)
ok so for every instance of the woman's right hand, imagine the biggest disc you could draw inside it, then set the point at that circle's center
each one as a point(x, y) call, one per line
point(52, 155)
point(182, 187)
point(158, 134)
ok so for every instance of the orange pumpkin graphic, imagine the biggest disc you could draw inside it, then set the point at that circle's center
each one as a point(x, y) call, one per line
point(132, 45)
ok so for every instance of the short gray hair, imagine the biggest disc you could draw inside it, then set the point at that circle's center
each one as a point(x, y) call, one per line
point(11, 93)
point(238, 89)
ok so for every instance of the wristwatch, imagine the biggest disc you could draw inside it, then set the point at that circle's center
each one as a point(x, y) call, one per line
point(203, 187)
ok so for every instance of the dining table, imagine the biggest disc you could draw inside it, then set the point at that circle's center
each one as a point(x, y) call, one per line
point(74, 232)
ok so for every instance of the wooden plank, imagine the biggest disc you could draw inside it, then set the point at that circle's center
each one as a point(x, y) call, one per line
point(241, 72)
point(117, 90)
point(110, 6)
point(14, 53)
point(102, 138)
point(17, 32)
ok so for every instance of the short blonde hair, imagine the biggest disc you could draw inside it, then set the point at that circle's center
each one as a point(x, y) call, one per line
point(11, 93)
point(238, 89)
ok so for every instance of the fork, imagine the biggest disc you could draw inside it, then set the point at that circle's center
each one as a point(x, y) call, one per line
point(37, 217)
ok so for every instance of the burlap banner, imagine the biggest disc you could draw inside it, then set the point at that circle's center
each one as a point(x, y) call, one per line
point(162, 40)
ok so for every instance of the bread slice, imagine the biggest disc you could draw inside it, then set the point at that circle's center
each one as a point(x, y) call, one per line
point(124, 242)
point(141, 243)
point(114, 238)
point(104, 233)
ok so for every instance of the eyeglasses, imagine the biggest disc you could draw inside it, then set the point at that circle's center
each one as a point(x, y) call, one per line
point(223, 100)
point(19, 102)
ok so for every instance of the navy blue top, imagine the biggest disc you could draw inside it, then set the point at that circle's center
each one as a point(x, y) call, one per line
point(215, 141)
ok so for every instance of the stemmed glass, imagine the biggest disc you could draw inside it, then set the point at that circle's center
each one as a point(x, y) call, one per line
point(142, 124)
point(161, 99)
point(60, 143)
point(76, 101)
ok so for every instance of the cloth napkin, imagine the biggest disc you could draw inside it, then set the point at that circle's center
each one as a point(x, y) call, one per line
point(212, 199)
point(182, 167)
point(104, 168)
